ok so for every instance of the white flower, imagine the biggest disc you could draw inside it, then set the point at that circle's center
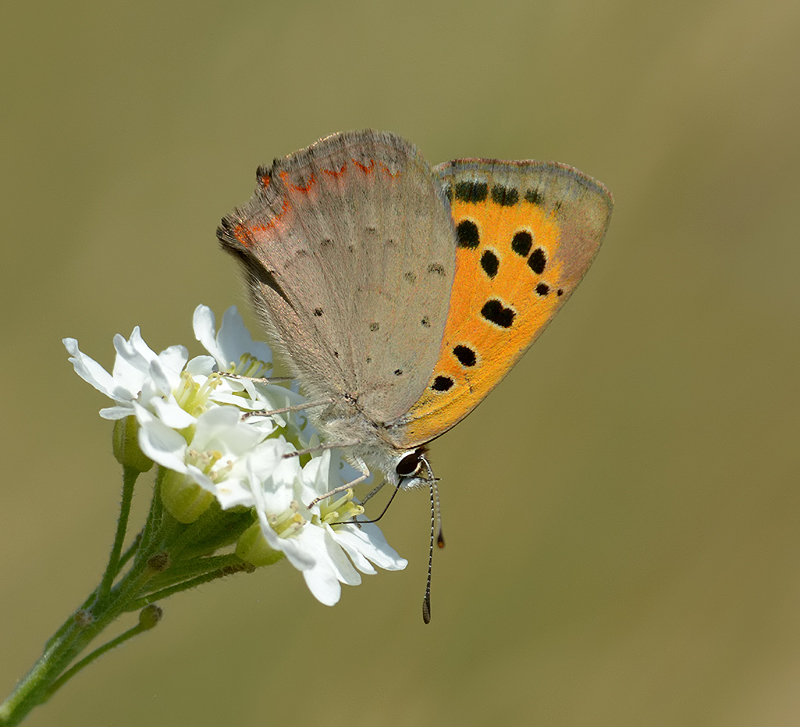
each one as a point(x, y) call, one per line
point(215, 457)
point(234, 351)
point(168, 384)
point(139, 373)
point(191, 423)
point(189, 416)
point(233, 348)
point(317, 542)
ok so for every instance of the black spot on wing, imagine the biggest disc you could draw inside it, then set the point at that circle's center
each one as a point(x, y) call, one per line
point(522, 243)
point(490, 263)
point(442, 383)
point(504, 196)
point(465, 355)
point(472, 191)
point(534, 196)
point(467, 234)
point(495, 312)
point(537, 261)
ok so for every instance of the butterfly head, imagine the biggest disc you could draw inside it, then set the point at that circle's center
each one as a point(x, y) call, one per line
point(412, 469)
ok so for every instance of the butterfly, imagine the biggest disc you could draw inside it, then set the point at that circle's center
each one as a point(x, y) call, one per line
point(401, 294)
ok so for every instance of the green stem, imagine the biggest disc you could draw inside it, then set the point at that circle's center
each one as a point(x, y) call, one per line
point(73, 670)
point(167, 557)
point(129, 553)
point(237, 566)
point(183, 571)
point(75, 635)
point(129, 477)
point(115, 562)
point(153, 523)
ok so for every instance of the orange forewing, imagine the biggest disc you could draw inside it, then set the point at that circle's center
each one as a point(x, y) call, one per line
point(477, 352)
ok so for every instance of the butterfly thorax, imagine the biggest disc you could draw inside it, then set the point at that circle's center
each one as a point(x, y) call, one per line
point(362, 439)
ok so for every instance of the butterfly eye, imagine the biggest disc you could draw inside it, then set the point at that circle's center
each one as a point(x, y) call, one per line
point(408, 465)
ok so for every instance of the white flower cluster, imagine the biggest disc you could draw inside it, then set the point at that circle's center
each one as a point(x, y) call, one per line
point(191, 422)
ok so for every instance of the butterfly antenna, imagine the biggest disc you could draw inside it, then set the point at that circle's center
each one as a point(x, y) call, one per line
point(436, 536)
point(391, 500)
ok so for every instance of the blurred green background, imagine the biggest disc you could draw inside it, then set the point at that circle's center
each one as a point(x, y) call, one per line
point(623, 543)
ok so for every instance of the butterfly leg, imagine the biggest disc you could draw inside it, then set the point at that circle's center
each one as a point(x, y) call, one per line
point(360, 465)
point(257, 379)
point(285, 409)
point(372, 493)
point(320, 448)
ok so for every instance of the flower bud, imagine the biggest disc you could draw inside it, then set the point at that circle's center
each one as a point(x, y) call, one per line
point(126, 445)
point(150, 615)
point(184, 500)
point(253, 547)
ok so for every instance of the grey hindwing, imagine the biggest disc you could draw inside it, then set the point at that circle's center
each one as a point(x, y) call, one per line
point(349, 248)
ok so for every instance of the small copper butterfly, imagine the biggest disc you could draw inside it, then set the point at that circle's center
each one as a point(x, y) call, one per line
point(402, 294)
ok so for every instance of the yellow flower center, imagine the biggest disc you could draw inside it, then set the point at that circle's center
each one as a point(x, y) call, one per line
point(287, 523)
point(249, 366)
point(340, 511)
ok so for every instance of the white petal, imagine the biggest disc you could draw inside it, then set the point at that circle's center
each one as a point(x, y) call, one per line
point(227, 396)
point(116, 412)
point(174, 357)
point(201, 478)
point(210, 422)
point(132, 362)
point(220, 428)
point(323, 584)
point(201, 366)
point(323, 548)
point(137, 344)
point(352, 550)
point(204, 324)
point(232, 492)
point(162, 444)
point(288, 546)
point(234, 339)
point(165, 378)
point(171, 414)
point(369, 541)
point(296, 553)
point(88, 369)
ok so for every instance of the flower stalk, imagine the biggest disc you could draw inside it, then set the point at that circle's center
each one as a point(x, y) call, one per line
point(226, 499)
